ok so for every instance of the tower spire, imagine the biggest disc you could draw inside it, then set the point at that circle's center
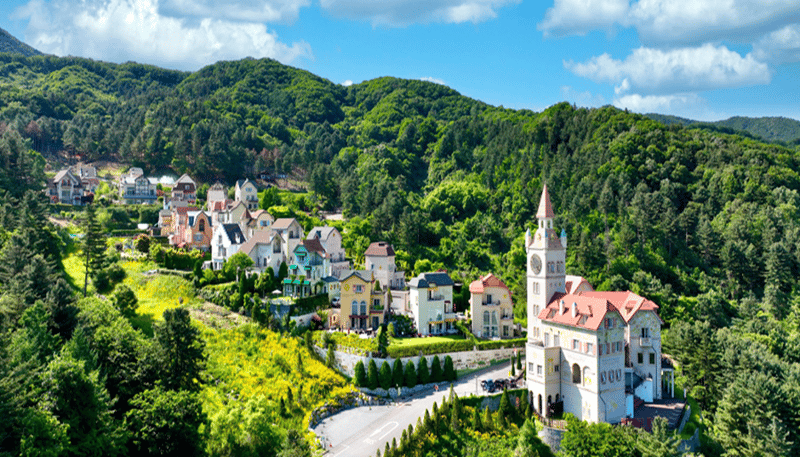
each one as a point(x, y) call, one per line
point(545, 207)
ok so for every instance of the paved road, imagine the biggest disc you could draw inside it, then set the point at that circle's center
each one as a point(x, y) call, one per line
point(359, 432)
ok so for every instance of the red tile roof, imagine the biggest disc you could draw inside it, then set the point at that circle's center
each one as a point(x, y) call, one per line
point(627, 303)
point(313, 245)
point(590, 311)
point(490, 280)
point(545, 207)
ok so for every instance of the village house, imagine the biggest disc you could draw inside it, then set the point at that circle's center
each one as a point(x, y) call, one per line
point(591, 354)
point(331, 241)
point(216, 198)
point(135, 188)
point(184, 190)
point(194, 230)
point(491, 308)
point(290, 233)
point(380, 260)
point(264, 248)
point(260, 220)
point(431, 303)
point(225, 242)
point(66, 188)
point(247, 193)
point(363, 304)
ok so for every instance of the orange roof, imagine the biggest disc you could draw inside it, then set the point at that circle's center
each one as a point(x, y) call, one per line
point(572, 283)
point(590, 311)
point(490, 280)
point(379, 249)
point(545, 207)
point(626, 303)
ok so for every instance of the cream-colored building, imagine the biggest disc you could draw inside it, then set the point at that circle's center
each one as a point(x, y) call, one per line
point(491, 308)
point(363, 305)
point(430, 299)
point(588, 353)
point(379, 258)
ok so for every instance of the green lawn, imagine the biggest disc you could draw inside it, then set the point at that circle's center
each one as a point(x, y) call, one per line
point(424, 341)
point(73, 266)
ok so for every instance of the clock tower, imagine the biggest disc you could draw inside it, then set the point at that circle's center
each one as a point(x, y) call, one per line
point(546, 256)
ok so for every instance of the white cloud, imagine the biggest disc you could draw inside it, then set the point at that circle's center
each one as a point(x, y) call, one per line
point(780, 46)
point(121, 30)
point(673, 21)
point(399, 13)
point(236, 10)
point(433, 80)
point(585, 98)
point(578, 17)
point(656, 72)
point(688, 105)
point(347, 83)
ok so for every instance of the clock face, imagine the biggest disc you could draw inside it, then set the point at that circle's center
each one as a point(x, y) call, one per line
point(536, 264)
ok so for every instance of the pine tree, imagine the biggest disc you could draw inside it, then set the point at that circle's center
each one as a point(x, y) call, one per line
point(385, 376)
point(476, 420)
point(422, 371)
point(436, 370)
point(372, 374)
point(487, 420)
point(449, 371)
point(360, 374)
point(93, 246)
point(397, 373)
point(411, 375)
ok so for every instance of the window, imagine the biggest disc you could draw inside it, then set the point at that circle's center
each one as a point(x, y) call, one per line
point(652, 358)
point(609, 348)
point(603, 377)
point(557, 340)
point(576, 345)
point(530, 367)
point(576, 374)
point(641, 358)
point(538, 370)
point(645, 332)
point(600, 349)
point(358, 288)
point(376, 303)
point(619, 346)
point(609, 322)
point(589, 348)
point(363, 308)
point(556, 368)
point(546, 340)
point(201, 225)
point(536, 288)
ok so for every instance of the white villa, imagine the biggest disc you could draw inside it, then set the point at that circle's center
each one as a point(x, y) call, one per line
point(588, 353)
point(431, 303)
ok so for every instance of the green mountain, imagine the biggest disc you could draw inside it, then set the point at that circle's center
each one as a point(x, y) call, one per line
point(774, 129)
point(10, 44)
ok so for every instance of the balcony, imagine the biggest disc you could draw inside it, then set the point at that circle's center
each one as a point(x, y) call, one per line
point(505, 317)
point(645, 342)
point(491, 303)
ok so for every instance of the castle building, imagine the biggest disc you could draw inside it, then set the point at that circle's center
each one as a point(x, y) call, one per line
point(591, 354)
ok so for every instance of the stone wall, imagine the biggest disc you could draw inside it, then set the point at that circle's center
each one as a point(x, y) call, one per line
point(465, 360)
point(552, 437)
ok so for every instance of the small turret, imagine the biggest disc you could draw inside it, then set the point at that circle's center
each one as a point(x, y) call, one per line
point(563, 238)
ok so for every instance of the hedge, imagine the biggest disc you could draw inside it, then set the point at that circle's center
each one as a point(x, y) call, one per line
point(453, 346)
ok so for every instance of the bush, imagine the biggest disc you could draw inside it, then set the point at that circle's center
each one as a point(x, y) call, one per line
point(449, 372)
point(436, 370)
point(125, 300)
point(423, 375)
point(411, 375)
point(397, 373)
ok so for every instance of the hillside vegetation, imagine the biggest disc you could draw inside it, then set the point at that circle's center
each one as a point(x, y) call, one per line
point(705, 223)
point(776, 129)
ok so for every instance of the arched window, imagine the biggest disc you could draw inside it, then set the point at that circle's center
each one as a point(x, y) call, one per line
point(354, 307)
point(202, 225)
point(576, 374)
point(363, 308)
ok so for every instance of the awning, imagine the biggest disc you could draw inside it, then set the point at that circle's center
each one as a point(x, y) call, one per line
point(297, 281)
point(293, 267)
point(306, 283)
point(287, 281)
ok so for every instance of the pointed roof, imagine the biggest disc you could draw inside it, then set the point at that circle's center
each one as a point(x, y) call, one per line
point(545, 207)
point(379, 249)
point(479, 286)
point(184, 179)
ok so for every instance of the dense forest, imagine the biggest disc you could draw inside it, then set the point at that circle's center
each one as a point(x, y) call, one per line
point(702, 221)
point(775, 129)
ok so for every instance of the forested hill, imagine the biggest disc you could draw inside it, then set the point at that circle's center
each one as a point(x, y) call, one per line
point(779, 129)
point(10, 44)
point(667, 211)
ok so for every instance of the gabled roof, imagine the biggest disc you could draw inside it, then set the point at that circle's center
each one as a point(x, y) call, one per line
point(545, 207)
point(241, 182)
point(313, 246)
point(590, 311)
point(626, 303)
point(571, 283)
point(234, 233)
point(479, 285)
point(424, 280)
point(363, 275)
point(259, 237)
point(65, 174)
point(185, 179)
point(321, 232)
point(283, 223)
point(183, 210)
point(379, 249)
point(258, 213)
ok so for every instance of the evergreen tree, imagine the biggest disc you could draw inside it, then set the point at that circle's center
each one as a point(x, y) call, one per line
point(125, 300)
point(360, 374)
point(385, 376)
point(436, 370)
point(422, 371)
point(372, 374)
point(397, 373)
point(529, 443)
point(179, 351)
point(449, 371)
point(93, 246)
point(411, 375)
point(476, 419)
point(487, 421)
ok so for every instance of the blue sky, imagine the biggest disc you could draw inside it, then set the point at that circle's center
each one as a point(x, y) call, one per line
point(701, 59)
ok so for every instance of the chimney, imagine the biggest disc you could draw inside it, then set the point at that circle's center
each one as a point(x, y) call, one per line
point(561, 307)
point(574, 309)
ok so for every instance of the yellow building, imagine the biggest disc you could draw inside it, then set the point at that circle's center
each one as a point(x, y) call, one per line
point(363, 303)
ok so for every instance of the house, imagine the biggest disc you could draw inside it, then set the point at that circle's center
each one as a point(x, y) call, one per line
point(431, 303)
point(216, 197)
point(135, 188)
point(491, 308)
point(331, 241)
point(379, 259)
point(195, 232)
point(66, 188)
point(363, 304)
point(225, 242)
point(185, 190)
point(290, 233)
point(588, 353)
point(247, 193)
point(88, 176)
point(260, 220)
point(309, 261)
point(264, 248)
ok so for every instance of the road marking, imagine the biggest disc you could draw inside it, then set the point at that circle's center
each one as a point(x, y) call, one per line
point(346, 447)
point(394, 426)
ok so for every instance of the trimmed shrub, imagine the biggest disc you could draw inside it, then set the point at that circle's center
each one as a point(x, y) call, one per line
point(397, 373)
point(436, 370)
point(372, 374)
point(385, 376)
point(449, 372)
point(411, 375)
point(423, 376)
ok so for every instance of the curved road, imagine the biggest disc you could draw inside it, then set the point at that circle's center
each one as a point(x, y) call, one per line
point(359, 432)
